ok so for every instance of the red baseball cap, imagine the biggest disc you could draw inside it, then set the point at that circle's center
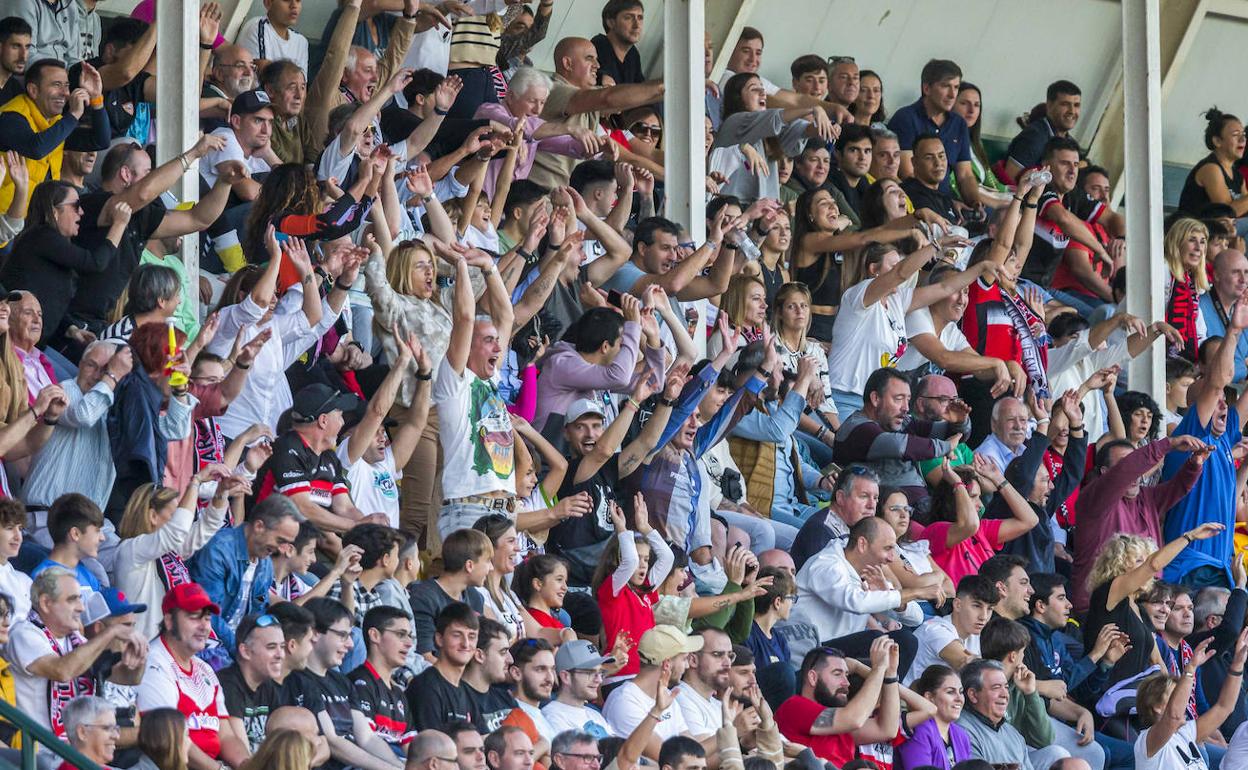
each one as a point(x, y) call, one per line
point(189, 597)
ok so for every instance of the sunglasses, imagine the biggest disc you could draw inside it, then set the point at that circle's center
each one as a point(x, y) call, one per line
point(645, 129)
point(834, 60)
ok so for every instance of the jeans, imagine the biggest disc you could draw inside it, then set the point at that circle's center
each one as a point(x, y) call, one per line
point(846, 403)
point(820, 453)
point(859, 646)
point(1085, 304)
point(1065, 736)
point(1119, 754)
point(793, 518)
point(455, 516)
point(764, 534)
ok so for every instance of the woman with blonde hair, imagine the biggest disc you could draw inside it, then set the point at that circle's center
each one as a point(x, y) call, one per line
point(164, 741)
point(790, 322)
point(1187, 243)
point(159, 532)
point(282, 750)
point(14, 398)
point(1161, 700)
point(772, 264)
point(745, 305)
point(1122, 574)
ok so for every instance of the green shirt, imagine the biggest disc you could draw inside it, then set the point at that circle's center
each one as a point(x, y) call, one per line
point(962, 455)
point(183, 318)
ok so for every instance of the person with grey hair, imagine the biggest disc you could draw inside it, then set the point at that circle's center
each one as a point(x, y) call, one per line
point(569, 748)
point(993, 738)
point(51, 659)
point(91, 727)
point(520, 110)
point(78, 456)
point(153, 295)
point(854, 498)
point(235, 567)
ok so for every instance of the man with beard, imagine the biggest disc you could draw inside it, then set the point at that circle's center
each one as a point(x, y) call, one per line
point(532, 671)
point(328, 693)
point(233, 71)
point(824, 717)
point(663, 652)
point(15, 45)
point(486, 677)
point(177, 678)
point(1213, 498)
point(579, 668)
point(618, 59)
point(707, 677)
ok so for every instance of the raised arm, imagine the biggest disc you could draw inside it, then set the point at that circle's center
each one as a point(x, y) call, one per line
point(1209, 389)
point(1024, 516)
point(1129, 583)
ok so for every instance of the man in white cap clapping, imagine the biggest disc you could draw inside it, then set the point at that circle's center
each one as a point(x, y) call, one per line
point(663, 651)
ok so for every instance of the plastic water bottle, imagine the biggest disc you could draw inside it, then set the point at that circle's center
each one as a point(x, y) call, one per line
point(1042, 177)
point(747, 247)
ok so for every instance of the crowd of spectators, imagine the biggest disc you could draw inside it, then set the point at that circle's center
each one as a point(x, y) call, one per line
point(471, 459)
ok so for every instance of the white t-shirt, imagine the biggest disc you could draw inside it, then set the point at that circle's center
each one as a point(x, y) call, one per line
point(934, 635)
point(232, 151)
point(586, 718)
point(1237, 750)
point(866, 338)
point(1179, 753)
point(920, 322)
point(704, 716)
point(17, 585)
point(475, 430)
point(258, 36)
point(543, 726)
point(508, 612)
point(167, 685)
point(28, 643)
point(627, 705)
point(374, 486)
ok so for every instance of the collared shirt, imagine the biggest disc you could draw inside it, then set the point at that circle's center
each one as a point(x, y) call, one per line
point(912, 121)
point(78, 456)
point(994, 449)
point(38, 369)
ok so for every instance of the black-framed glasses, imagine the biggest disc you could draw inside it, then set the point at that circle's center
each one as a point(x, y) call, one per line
point(591, 758)
point(344, 635)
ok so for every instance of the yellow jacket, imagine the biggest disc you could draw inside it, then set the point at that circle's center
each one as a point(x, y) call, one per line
point(41, 169)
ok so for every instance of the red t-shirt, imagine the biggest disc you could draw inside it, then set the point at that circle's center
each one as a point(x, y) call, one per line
point(797, 715)
point(626, 611)
point(545, 619)
point(966, 557)
point(1064, 278)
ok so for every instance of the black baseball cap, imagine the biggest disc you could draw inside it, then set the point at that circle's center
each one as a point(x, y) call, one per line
point(318, 399)
point(249, 102)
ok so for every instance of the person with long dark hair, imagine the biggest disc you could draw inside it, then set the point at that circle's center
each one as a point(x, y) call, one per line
point(164, 741)
point(1215, 178)
point(970, 106)
point(46, 262)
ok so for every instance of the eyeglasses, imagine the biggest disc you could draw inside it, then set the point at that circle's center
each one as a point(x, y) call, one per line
point(590, 758)
point(112, 729)
point(344, 635)
point(721, 654)
point(399, 633)
point(645, 129)
point(792, 597)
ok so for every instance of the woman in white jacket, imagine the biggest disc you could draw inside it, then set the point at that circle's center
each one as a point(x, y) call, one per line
point(159, 533)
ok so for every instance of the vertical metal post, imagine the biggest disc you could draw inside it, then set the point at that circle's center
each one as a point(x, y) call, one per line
point(177, 102)
point(684, 162)
point(1146, 280)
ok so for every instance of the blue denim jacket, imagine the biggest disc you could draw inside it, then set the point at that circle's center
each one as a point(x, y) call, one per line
point(219, 567)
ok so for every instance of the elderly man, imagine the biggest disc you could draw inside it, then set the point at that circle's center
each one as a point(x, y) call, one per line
point(177, 677)
point(834, 604)
point(235, 566)
point(51, 659)
point(91, 728)
point(1011, 425)
point(854, 498)
point(430, 750)
point(233, 71)
point(78, 457)
point(576, 99)
point(993, 738)
point(26, 332)
point(884, 436)
point(1230, 278)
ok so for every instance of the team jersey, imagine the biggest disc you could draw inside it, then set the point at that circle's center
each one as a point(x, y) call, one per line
point(384, 705)
point(295, 468)
point(195, 692)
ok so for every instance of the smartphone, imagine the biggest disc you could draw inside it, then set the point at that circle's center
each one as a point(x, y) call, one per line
point(615, 298)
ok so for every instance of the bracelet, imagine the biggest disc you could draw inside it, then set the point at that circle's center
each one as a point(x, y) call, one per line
point(633, 401)
point(1004, 483)
point(1073, 429)
point(97, 101)
point(890, 680)
point(1189, 538)
point(46, 421)
point(424, 376)
point(439, 111)
point(186, 164)
point(667, 401)
point(766, 375)
point(244, 367)
point(110, 376)
point(1031, 205)
point(1189, 673)
point(35, 414)
point(654, 716)
point(823, 431)
point(1019, 198)
point(1236, 673)
point(205, 46)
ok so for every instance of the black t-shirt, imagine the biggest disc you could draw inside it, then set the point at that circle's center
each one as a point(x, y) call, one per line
point(14, 86)
point(1139, 631)
point(121, 104)
point(853, 194)
point(491, 707)
point(432, 701)
point(924, 197)
point(251, 706)
point(331, 694)
point(1027, 148)
point(295, 468)
point(385, 705)
point(580, 541)
point(627, 71)
point(1050, 241)
point(98, 292)
point(428, 599)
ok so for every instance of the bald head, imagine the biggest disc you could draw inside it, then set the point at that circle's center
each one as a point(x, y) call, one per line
point(778, 559)
point(302, 721)
point(1070, 763)
point(576, 61)
point(233, 69)
point(932, 395)
point(429, 744)
point(1230, 274)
